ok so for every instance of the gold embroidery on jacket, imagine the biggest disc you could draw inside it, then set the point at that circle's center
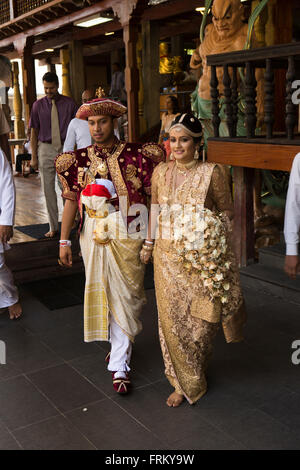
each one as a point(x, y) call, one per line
point(131, 172)
point(64, 161)
point(66, 192)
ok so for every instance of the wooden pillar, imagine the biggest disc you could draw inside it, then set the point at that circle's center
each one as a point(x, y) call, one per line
point(151, 78)
point(130, 34)
point(65, 62)
point(243, 215)
point(24, 48)
point(139, 53)
point(19, 130)
point(77, 70)
point(177, 46)
point(129, 13)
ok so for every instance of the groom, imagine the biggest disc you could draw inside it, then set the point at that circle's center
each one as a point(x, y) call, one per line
point(114, 292)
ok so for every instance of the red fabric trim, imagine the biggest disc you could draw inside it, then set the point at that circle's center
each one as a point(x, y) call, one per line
point(96, 190)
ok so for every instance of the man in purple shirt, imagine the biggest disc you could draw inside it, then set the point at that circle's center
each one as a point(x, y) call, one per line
point(49, 120)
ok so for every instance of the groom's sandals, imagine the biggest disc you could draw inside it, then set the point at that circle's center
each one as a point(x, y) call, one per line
point(122, 384)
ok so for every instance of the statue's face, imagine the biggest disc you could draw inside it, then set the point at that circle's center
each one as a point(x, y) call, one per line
point(227, 17)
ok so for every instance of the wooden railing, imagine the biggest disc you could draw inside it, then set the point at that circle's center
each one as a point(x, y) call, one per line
point(285, 56)
point(11, 9)
point(4, 11)
point(269, 150)
point(24, 6)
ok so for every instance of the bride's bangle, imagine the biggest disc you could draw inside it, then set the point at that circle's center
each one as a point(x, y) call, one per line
point(148, 242)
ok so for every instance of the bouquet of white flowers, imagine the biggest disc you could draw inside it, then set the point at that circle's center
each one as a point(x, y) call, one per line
point(201, 243)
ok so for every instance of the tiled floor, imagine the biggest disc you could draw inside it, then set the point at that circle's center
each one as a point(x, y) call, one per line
point(56, 394)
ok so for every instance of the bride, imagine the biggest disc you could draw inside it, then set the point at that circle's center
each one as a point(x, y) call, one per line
point(196, 277)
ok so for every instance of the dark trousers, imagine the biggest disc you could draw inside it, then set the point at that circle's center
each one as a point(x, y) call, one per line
point(21, 157)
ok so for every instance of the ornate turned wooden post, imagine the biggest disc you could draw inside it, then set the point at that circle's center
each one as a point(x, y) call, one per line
point(214, 92)
point(228, 102)
point(291, 118)
point(269, 98)
point(19, 130)
point(235, 96)
point(250, 95)
point(65, 60)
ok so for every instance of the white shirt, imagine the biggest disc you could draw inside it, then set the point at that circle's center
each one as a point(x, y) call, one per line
point(292, 209)
point(7, 195)
point(78, 134)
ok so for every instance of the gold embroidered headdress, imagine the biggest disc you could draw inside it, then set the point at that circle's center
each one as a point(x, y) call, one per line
point(101, 106)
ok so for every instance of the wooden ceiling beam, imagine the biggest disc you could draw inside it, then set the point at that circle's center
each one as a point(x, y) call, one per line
point(52, 43)
point(58, 22)
point(102, 48)
point(167, 10)
point(173, 30)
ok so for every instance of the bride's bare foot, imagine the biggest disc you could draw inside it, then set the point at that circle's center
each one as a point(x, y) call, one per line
point(15, 311)
point(175, 399)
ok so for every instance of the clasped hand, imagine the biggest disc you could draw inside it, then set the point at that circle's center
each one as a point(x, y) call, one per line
point(145, 256)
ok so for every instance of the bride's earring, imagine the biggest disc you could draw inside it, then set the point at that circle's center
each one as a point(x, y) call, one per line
point(203, 155)
point(196, 154)
point(171, 156)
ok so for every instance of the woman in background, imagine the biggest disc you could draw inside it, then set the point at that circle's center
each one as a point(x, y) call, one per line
point(166, 121)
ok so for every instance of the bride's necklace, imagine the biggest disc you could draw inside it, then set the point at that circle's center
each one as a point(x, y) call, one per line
point(183, 168)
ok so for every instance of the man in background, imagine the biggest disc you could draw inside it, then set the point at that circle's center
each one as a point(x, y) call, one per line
point(117, 88)
point(49, 120)
point(78, 134)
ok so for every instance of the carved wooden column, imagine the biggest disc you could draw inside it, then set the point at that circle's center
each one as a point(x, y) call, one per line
point(129, 14)
point(130, 34)
point(19, 130)
point(29, 85)
point(151, 78)
point(77, 70)
point(65, 61)
point(139, 53)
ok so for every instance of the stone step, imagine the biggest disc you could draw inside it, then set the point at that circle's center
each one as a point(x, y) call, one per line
point(271, 281)
point(31, 261)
